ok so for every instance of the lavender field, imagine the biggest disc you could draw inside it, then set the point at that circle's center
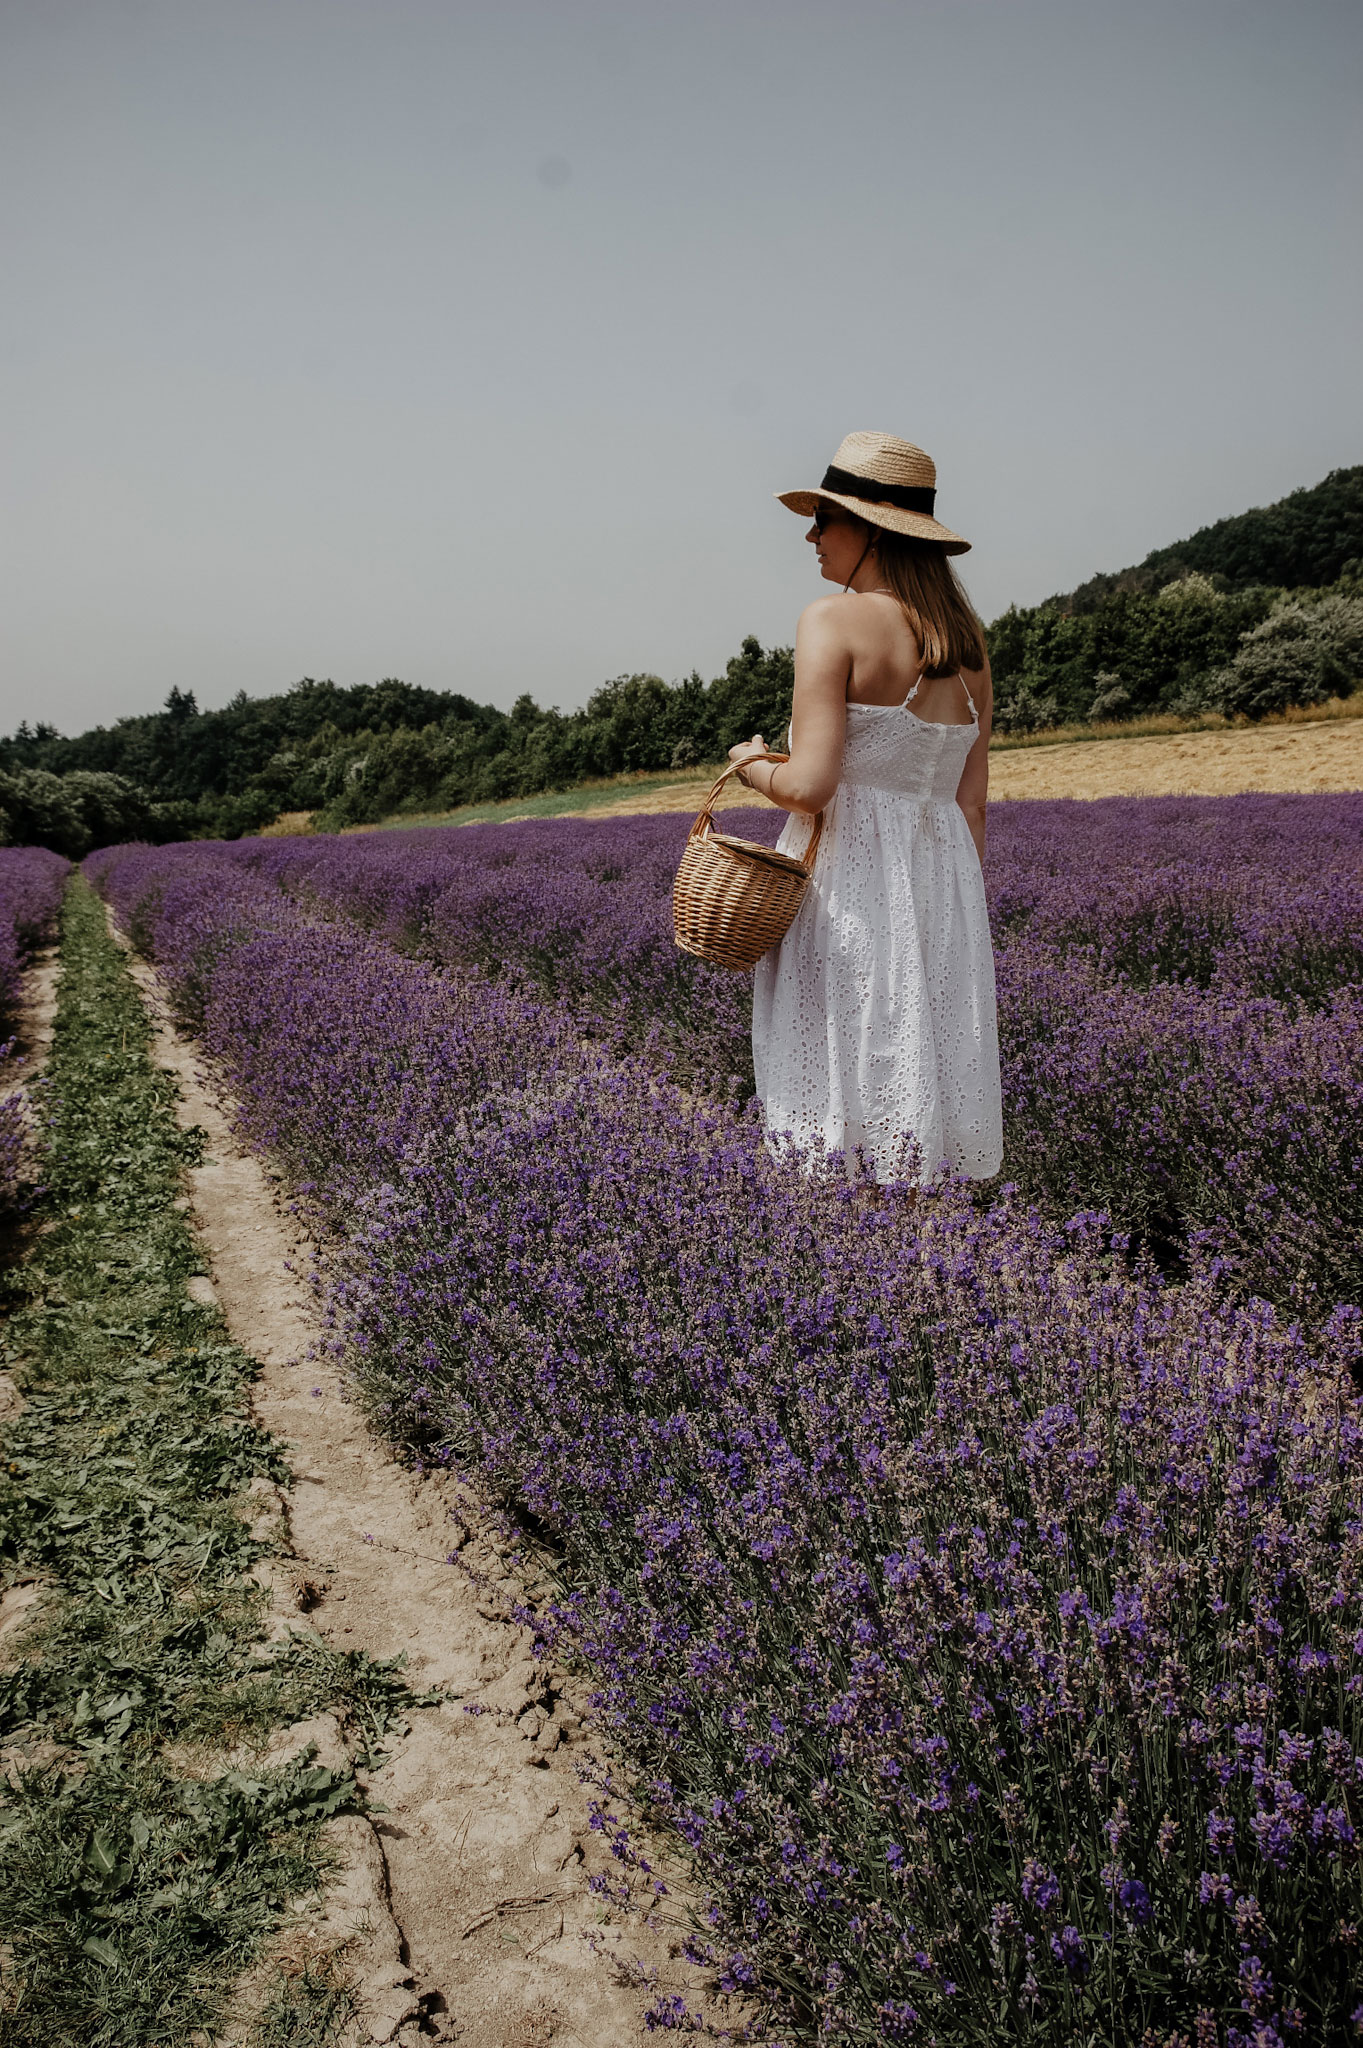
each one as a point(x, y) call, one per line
point(975, 1588)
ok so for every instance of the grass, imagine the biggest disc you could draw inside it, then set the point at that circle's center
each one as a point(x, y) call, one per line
point(306, 2007)
point(583, 796)
point(145, 1857)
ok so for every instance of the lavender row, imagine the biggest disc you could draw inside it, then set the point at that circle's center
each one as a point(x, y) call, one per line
point(570, 908)
point(986, 1617)
point(1179, 995)
point(1243, 896)
point(31, 884)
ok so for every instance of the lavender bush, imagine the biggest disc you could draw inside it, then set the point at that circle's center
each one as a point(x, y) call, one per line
point(566, 911)
point(1248, 895)
point(1179, 995)
point(983, 1611)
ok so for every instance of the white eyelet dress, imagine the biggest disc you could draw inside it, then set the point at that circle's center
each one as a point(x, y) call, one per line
point(874, 1018)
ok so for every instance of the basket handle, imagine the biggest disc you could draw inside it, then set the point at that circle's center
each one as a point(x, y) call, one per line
point(705, 818)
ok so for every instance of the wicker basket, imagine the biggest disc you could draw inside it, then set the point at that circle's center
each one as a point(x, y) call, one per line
point(733, 899)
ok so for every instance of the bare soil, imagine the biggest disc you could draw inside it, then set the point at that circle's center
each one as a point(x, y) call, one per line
point(33, 1027)
point(33, 1036)
point(465, 1904)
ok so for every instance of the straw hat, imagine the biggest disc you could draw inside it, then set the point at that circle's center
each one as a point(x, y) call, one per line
point(885, 481)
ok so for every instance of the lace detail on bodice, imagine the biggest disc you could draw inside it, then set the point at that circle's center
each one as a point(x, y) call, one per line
point(889, 747)
point(874, 1019)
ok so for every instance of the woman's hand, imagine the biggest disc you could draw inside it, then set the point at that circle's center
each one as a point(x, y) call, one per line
point(748, 750)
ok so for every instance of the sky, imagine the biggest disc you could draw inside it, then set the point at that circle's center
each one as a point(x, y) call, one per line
point(468, 344)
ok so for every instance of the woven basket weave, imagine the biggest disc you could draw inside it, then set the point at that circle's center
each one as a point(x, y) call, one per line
point(732, 898)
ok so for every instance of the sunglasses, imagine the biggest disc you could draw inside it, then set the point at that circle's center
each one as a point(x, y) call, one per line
point(826, 516)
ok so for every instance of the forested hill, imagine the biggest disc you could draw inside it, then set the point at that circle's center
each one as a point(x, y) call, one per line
point(1252, 613)
point(1246, 616)
point(1304, 541)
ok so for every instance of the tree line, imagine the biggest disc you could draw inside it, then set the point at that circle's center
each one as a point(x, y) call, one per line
point(1246, 616)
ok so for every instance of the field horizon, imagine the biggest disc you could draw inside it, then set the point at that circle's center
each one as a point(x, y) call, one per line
point(1069, 748)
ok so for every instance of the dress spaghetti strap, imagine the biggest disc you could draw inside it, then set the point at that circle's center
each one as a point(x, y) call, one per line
point(960, 677)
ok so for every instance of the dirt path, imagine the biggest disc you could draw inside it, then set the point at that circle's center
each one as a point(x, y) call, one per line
point(470, 1893)
point(37, 1013)
point(1323, 755)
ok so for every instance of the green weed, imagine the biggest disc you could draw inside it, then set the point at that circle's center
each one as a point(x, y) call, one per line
point(307, 2007)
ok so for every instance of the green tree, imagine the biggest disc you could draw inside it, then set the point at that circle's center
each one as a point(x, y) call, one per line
point(75, 813)
point(753, 695)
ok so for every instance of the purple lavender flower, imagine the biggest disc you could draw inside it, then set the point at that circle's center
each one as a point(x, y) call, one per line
point(1134, 1900)
point(1220, 1832)
point(1070, 1952)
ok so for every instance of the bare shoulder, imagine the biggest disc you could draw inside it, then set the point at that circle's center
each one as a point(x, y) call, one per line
point(824, 649)
point(852, 621)
point(825, 616)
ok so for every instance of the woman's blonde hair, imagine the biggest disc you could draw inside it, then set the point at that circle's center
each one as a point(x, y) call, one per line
point(933, 600)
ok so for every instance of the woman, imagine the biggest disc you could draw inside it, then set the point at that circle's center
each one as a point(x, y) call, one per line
point(873, 1021)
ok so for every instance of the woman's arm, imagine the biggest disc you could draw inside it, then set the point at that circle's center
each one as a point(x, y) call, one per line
point(823, 662)
point(972, 792)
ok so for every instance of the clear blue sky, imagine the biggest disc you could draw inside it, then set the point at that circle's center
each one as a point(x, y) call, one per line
point(467, 344)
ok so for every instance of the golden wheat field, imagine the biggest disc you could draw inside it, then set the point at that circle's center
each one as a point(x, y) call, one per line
point(1287, 757)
